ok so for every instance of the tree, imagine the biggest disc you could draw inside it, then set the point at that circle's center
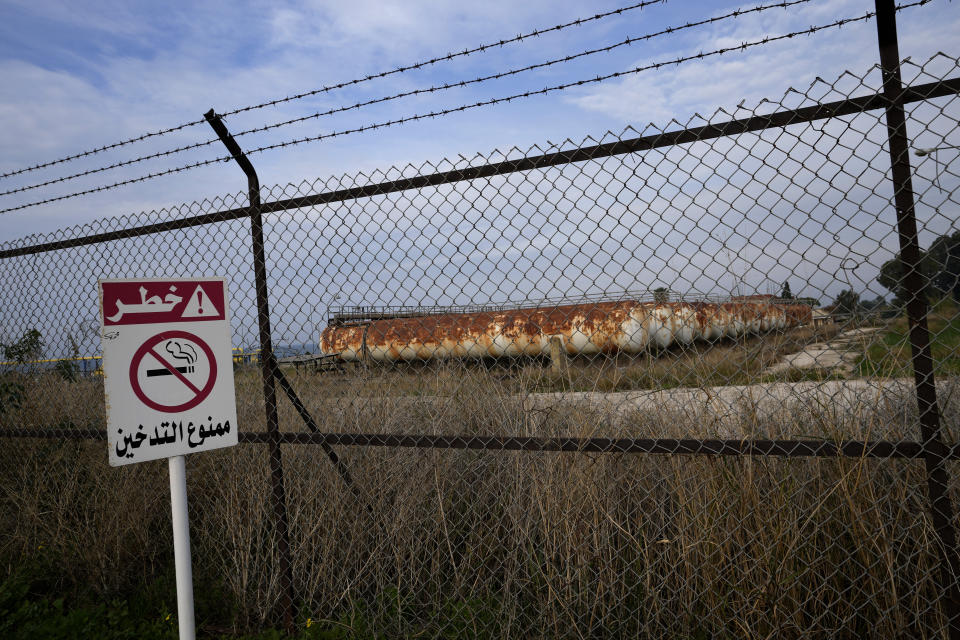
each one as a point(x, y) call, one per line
point(786, 294)
point(939, 270)
point(28, 347)
point(67, 367)
point(892, 275)
point(876, 303)
point(11, 395)
point(847, 302)
point(944, 259)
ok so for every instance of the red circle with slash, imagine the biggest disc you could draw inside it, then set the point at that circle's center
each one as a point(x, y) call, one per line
point(148, 348)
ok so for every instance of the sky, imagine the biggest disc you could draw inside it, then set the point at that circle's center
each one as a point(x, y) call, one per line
point(76, 79)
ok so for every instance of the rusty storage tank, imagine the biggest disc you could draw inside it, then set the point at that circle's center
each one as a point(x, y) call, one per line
point(734, 324)
point(603, 327)
point(798, 314)
point(769, 317)
point(659, 325)
point(686, 325)
point(752, 315)
point(711, 320)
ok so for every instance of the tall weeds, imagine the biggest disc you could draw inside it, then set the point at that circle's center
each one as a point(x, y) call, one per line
point(497, 544)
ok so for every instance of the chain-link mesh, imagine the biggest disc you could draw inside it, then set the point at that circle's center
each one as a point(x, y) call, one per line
point(656, 384)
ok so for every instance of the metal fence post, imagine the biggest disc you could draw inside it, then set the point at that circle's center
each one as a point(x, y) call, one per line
point(936, 452)
point(268, 366)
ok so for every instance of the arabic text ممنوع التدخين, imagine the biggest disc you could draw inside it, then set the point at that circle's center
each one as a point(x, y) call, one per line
point(170, 432)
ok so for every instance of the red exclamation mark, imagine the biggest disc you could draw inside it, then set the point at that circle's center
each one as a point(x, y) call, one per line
point(199, 301)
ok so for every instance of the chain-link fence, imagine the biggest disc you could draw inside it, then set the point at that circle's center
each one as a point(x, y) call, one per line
point(695, 382)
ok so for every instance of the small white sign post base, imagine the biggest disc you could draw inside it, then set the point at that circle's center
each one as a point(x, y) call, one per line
point(168, 385)
point(181, 547)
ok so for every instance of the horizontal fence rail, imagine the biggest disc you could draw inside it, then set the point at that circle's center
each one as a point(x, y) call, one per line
point(783, 448)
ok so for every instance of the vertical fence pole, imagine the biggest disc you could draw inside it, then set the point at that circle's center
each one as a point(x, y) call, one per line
point(268, 366)
point(935, 452)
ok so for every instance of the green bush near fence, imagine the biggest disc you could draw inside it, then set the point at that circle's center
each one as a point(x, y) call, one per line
point(889, 356)
point(32, 606)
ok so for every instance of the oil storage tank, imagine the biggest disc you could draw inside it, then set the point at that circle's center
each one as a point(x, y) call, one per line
point(628, 326)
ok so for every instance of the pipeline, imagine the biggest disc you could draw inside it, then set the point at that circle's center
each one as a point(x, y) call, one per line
point(626, 326)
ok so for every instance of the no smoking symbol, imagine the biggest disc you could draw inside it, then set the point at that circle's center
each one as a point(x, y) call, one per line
point(173, 371)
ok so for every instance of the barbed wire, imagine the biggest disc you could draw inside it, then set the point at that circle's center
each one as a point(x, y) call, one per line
point(617, 74)
point(442, 112)
point(783, 4)
point(375, 76)
point(97, 150)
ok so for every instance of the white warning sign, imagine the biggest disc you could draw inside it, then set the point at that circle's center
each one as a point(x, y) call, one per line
point(168, 368)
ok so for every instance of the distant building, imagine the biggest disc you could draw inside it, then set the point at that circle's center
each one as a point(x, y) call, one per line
point(821, 317)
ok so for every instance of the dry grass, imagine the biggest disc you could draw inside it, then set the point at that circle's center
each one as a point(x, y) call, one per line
point(454, 543)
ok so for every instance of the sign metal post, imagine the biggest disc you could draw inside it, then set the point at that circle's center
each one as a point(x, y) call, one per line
point(168, 382)
point(181, 547)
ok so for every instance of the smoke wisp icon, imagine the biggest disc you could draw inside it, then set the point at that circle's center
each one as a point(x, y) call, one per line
point(183, 352)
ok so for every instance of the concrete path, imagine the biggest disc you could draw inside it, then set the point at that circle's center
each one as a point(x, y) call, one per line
point(839, 354)
point(735, 411)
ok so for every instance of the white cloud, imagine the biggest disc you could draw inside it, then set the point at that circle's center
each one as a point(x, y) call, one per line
point(50, 112)
point(766, 71)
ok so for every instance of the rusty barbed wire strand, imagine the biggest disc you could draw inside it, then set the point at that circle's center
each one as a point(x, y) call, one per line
point(560, 87)
point(414, 92)
point(442, 112)
point(383, 74)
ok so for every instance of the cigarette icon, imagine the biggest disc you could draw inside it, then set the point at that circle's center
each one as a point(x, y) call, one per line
point(166, 372)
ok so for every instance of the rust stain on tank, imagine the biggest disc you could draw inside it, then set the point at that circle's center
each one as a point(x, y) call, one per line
point(601, 327)
point(518, 330)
